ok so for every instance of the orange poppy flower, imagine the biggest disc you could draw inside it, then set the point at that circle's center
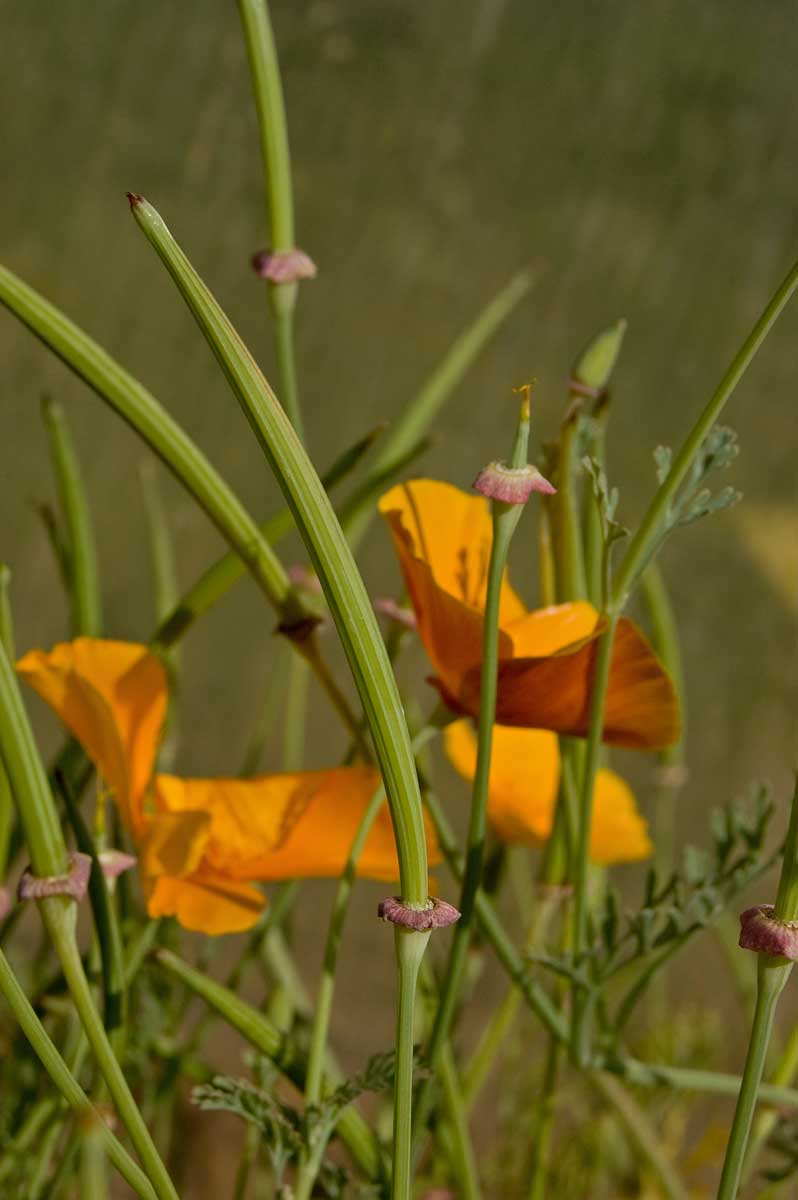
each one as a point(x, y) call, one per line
point(203, 842)
point(522, 792)
point(546, 657)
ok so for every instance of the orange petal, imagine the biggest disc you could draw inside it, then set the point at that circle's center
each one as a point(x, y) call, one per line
point(524, 776)
point(206, 903)
point(174, 843)
point(553, 692)
point(546, 630)
point(288, 826)
point(112, 696)
point(618, 833)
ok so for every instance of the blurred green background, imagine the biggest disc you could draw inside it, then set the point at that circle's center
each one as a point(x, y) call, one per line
point(641, 155)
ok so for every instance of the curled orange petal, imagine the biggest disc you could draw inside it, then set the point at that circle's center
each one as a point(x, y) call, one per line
point(546, 658)
point(112, 696)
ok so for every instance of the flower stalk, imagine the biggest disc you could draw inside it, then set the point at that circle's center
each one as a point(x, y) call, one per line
point(773, 971)
point(505, 520)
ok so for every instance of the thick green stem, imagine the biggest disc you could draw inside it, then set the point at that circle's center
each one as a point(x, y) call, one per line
point(650, 528)
point(84, 579)
point(410, 947)
point(771, 977)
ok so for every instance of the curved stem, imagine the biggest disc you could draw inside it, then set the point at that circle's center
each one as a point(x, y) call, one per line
point(58, 915)
point(64, 1080)
point(771, 978)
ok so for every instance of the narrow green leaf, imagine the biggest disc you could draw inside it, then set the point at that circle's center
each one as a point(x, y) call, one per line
point(84, 577)
point(328, 548)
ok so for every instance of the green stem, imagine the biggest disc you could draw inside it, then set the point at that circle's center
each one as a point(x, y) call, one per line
point(461, 1149)
point(64, 1081)
point(650, 528)
point(493, 930)
point(58, 915)
point(268, 89)
point(771, 977)
point(27, 778)
point(84, 576)
point(317, 1052)
point(568, 550)
point(262, 1034)
point(601, 674)
point(544, 1121)
point(686, 1079)
point(326, 543)
point(283, 318)
point(505, 521)
point(783, 1075)
point(296, 708)
point(267, 85)
point(410, 947)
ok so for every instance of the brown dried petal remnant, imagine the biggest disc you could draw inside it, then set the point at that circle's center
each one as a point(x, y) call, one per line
point(283, 266)
point(5, 902)
point(73, 883)
point(436, 915)
point(760, 931)
point(511, 485)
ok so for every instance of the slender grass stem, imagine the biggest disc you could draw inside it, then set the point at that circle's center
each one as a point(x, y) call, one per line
point(649, 530)
point(544, 1121)
point(58, 915)
point(505, 521)
point(84, 578)
point(64, 1080)
point(461, 1149)
point(601, 673)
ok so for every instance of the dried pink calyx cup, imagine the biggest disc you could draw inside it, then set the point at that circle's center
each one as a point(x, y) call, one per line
point(760, 931)
point(283, 266)
point(73, 882)
point(511, 485)
point(435, 915)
